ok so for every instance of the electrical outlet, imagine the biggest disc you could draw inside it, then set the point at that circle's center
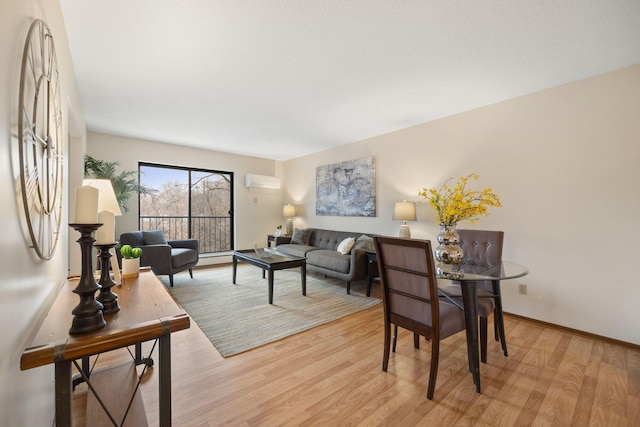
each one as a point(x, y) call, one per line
point(255, 200)
point(522, 288)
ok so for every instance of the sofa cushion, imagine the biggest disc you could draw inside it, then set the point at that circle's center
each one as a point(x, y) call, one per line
point(329, 259)
point(295, 249)
point(329, 239)
point(345, 246)
point(364, 242)
point(180, 257)
point(154, 237)
point(301, 236)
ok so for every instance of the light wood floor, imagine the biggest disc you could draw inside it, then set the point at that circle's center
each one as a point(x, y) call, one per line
point(331, 376)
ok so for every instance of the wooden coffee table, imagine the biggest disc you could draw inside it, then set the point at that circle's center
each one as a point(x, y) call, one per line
point(271, 264)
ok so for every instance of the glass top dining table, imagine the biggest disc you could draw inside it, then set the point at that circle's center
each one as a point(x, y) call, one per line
point(506, 270)
point(472, 275)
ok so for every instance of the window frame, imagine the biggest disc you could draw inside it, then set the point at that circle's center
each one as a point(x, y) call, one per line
point(189, 170)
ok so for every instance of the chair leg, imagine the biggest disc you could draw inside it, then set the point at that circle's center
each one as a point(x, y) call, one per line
point(395, 337)
point(348, 286)
point(191, 272)
point(171, 280)
point(483, 339)
point(433, 374)
point(387, 344)
point(416, 340)
point(498, 316)
point(499, 320)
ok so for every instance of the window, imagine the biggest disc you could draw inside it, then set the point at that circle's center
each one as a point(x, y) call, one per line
point(188, 203)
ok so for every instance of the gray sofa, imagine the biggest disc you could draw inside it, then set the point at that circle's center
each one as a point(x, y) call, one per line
point(320, 248)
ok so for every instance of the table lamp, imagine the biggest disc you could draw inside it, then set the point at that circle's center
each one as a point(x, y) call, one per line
point(404, 211)
point(289, 211)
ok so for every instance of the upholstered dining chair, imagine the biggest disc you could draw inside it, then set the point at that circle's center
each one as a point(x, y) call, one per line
point(410, 298)
point(482, 249)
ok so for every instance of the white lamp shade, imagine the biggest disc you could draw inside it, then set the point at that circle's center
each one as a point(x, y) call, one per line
point(107, 200)
point(289, 210)
point(405, 211)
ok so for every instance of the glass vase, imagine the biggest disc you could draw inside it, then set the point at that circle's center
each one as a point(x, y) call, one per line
point(448, 253)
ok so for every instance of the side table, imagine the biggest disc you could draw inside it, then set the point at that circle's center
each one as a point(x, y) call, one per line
point(138, 321)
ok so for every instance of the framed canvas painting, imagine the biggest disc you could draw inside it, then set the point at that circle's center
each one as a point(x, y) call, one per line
point(346, 188)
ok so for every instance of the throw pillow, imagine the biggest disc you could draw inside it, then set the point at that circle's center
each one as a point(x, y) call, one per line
point(154, 237)
point(365, 242)
point(345, 246)
point(301, 236)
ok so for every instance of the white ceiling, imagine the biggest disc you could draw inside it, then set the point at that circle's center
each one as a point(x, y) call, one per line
point(281, 79)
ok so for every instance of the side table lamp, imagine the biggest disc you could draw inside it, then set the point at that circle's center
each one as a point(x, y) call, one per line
point(289, 211)
point(404, 211)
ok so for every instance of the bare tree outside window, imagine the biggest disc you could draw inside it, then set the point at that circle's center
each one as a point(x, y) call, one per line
point(188, 203)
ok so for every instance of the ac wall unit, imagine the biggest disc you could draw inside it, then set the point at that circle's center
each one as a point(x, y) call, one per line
point(262, 181)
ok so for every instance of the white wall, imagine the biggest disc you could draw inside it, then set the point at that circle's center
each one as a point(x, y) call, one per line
point(566, 163)
point(258, 211)
point(28, 285)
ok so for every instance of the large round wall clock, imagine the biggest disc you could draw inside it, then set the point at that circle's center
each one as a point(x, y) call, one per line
point(40, 140)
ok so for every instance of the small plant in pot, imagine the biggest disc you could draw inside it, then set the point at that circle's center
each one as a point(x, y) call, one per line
point(278, 232)
point(130, 261)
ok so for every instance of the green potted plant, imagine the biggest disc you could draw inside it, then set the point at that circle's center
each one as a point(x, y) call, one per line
point(125, 183)
point(278, 232)
point(130, 261)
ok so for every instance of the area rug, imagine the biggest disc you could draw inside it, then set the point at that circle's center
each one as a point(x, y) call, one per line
point(237, 318)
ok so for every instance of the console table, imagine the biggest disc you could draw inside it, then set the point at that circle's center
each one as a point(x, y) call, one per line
point(147, 312)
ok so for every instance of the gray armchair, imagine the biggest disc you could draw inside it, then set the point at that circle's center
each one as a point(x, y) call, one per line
point(165, 257)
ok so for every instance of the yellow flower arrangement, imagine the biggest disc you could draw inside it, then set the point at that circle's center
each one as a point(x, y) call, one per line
point(460, 203)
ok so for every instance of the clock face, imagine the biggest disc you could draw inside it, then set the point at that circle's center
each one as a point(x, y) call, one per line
point(40, 140)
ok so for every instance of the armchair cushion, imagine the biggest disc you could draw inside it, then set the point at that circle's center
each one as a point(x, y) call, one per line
point(133, 238)
point(181, 257)
point(185, 244)
point(154, 237)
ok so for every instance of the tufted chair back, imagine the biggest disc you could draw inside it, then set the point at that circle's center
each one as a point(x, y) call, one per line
point(481, 248)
